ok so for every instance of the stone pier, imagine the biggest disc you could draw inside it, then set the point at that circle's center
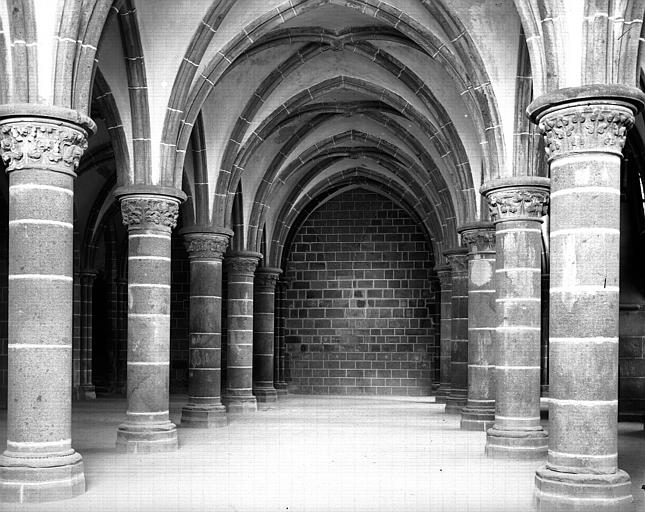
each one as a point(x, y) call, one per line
point(444, 273)
point(240, 268)
point(517, 205)
point(279, 382)
point(205, 249)
point(584, 131)
point(263, 333)
point(479, 412)
point(457, 397)
point(42, 149)
point(150, 213)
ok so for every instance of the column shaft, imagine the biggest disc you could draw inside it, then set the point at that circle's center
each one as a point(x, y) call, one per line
point(457, 398)
point(479, 412)
point(263, 333)
point(205, 250)
point(445, 277)
point(42, 154)
point(581, 471)
point(516, 206)
point(239, 386)
point(147, 427)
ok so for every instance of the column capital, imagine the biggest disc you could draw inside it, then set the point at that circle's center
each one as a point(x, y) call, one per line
point(478, 237)
point(267, 277)
point(206, 245)
point(591, 118)
point(444, 273)
point(43, 137)
point(242, 262)
point(149, 211)
point(458, 259)
point(517, 197)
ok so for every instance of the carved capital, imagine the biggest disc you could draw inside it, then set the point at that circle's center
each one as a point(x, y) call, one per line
point(444, 273)
point(458, 260)
point(267, 278)
point(583, 128)
point(158, 212)
point(206, 245)
point(479, 238)
point(520, 202)
point(37, 143)
point(242, 263)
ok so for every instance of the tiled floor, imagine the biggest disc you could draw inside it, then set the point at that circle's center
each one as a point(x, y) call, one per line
point(311, 454)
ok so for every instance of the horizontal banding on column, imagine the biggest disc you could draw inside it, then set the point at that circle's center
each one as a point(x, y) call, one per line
point(148, 235)
point(587, 230)
point(588, 189)
point(590, 339)
point(52, 277)
point(57, 223)
point(148, 258)
point(584, 288)
point(518, 230)
point(37, 345)
point(34, 186)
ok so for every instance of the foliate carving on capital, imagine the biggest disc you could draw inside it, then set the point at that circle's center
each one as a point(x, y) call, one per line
point(207, 246)
point(585, 128)
point(479, 240)
point(241, 265)
point(458, 262)
point(445, 276)
point(266, 280)
point(155, 212)
point(523, 202)
point(31, 144)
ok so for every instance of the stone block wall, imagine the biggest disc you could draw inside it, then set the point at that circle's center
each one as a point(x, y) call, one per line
point(179, 316)
point(362, 312)
point(631, 367)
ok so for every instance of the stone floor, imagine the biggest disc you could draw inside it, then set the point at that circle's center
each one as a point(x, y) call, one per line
point(309, 454)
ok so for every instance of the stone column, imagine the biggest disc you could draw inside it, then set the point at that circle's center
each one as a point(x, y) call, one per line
point(263, 333)
point(517, 206)
point(479, 412)
point(205, 251)
point(86, 389)
point(457, 397)
point(240, 268)
point(584, 131)
point(150, 218)
point(279, 381)
point(42, 149)
point(445, 277)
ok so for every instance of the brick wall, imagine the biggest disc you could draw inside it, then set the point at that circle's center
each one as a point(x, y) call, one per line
point(361, 309)
point(179, 316)
point(631, 369)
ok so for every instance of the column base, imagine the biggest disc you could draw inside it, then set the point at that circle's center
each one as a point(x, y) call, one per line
point(87, 392)
point(442, 394)
point(266, 395)
point(29, 484)
point(455, 404)
point(241, 404)
point(203, 416)
point(146, 437)
point(516, 444)
point(281, 388)
point(477, 418)
point(575, 492)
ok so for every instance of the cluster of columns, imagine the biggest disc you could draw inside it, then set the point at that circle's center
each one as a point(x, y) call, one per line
point(584, 130)
point(42, 148)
